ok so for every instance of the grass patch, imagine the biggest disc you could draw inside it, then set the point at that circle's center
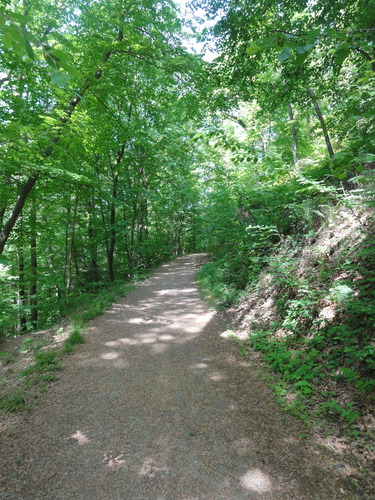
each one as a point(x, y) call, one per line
point(45, 361)
point(10, 403)
point(75, 338)
point(6, 358)
point(29, 344)
point(39, 380)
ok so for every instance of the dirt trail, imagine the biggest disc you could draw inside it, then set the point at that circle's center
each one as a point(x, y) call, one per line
point(155, 405)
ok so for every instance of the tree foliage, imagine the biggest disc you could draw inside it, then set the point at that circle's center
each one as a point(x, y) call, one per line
point(122, 149)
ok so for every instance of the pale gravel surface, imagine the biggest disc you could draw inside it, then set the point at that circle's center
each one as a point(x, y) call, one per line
point(156, 405)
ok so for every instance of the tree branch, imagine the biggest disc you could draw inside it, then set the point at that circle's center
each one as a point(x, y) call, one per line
point(118, 121)
point(237, 120)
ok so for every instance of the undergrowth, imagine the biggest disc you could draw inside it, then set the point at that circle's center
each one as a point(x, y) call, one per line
point(324, 367)
point(215, 285)
point(75, 338)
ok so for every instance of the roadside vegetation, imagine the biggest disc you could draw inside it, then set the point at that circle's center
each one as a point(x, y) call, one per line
point(32, 361)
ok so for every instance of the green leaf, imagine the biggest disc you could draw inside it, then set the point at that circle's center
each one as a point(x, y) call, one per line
point(340, 176)
point(18, 17)
point(253, 49)
point(70, 69)
point(4, 261)
point(15, 33)
point(299, 16)
point(335, 34)
point(59, 55)
point(341, 55)
point(365, 79)
point(301, 58)
point(313, 34)
point(60, 78)
point(49, 58)
point(29, 48)
point(340, 292)
point(7, 41)
point(285, 54)
point(367, 158)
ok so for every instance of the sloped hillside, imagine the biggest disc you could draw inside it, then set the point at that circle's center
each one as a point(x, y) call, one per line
point(311, 316)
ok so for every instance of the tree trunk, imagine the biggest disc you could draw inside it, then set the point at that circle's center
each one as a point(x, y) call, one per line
point(69, 257)
point(112, 218)
point(322, 123)
point(294, 135)
point(2, 214)
point(112, 238)
point(180, 223)
point(8, 226)
point(33, 268)
point(52, 265)
point(21, 283)
point(94, 273)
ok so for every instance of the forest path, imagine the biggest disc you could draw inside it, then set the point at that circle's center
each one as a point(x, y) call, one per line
point(156, 405)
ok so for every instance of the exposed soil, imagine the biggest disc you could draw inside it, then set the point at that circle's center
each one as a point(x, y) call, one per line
point(157, 405)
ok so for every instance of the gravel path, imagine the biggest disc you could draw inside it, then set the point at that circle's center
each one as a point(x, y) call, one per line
point(156, 405)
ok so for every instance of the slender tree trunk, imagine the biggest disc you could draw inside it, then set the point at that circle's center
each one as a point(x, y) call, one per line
point(106, 239)
point(2, 214)
point(126, 241)
point(294, 135)
point(132, 234)
point(53, 273)
point(180, 222)
point(94, 272)
point(112, 219)
point(8, 226)
point(51, 265)
point(112, 237)
point(69, 258)
point(21, 283)
point(33, 268)
point(75, 258)
point(67, 226)
point(322, 123)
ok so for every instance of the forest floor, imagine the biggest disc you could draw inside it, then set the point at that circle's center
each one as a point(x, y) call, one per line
point(156, 404)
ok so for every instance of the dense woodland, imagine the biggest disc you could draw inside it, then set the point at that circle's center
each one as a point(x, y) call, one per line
point(121, 148)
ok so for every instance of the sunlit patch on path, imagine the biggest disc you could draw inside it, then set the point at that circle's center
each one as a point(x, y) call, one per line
point(151, 467)
point(114, 462)
point(80, 437)
point(256, 480)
